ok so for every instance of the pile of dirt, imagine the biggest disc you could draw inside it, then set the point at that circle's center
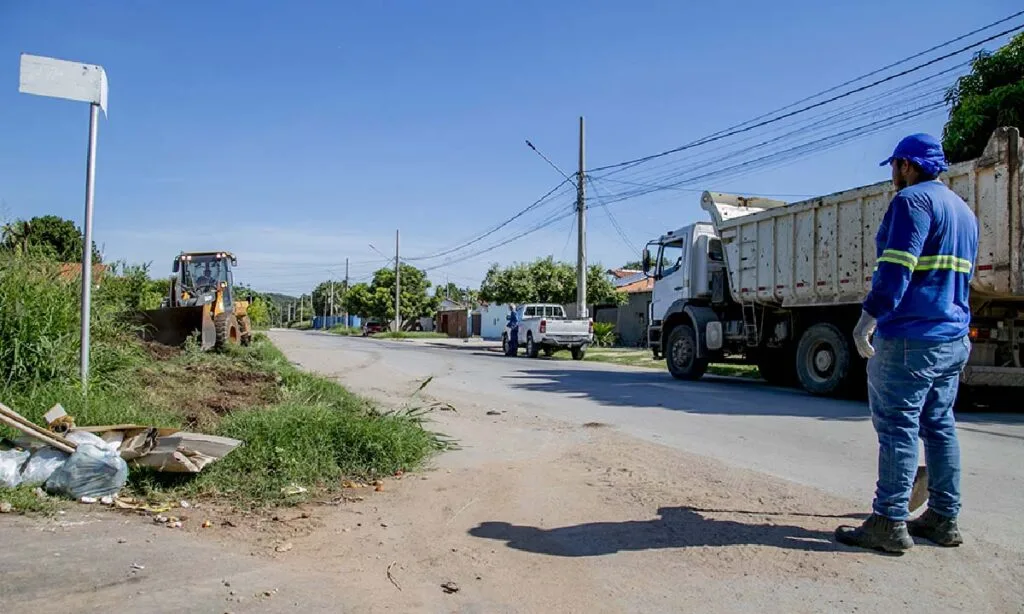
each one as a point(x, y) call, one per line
point(204, 392)
point(159, 351)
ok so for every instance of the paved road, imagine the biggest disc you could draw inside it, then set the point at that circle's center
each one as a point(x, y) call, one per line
point(827, 444)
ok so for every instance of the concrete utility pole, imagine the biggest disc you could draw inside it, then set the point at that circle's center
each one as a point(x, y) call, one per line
point(331, 315)
point(581, 250)
point(398, 286)
point(345, 291)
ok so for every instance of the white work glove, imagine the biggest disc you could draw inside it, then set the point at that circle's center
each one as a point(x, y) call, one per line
point(862, 335)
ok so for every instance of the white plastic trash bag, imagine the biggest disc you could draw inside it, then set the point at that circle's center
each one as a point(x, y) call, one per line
point(42, 464)
point(85, 437)
point(91, 471)
point(10, 466)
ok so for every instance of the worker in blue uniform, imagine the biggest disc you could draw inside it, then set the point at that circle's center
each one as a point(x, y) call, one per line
point(913, 331)
point(513, 330)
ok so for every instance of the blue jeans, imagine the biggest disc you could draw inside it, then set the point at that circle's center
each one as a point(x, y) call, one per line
point(513, 341)
point(911, 389)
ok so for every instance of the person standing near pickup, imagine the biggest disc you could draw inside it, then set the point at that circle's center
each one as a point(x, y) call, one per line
point(513, 330)
point(918, 311)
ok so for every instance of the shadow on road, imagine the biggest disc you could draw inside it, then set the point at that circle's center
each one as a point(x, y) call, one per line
point(711, 395)
point(677, 527)
point(726, 396)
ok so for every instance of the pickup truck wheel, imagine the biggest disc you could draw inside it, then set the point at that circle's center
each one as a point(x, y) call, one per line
point(579, 353)
point(532, 349)
point(504, 345)
point(823, 360)
point(549, 352)
point(681, 356)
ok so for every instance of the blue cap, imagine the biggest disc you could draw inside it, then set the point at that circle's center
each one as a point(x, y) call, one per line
point(923, 150)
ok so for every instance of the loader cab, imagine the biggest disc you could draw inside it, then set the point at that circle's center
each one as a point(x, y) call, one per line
point(201, 275)
point(683, 264)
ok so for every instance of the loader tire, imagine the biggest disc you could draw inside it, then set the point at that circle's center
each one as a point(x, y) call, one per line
point(226, 326)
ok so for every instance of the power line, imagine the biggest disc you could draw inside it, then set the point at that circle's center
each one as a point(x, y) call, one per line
point(537, 203)
point(840, 116)
point(615, 223)
point(791, 153)
point(746, 126)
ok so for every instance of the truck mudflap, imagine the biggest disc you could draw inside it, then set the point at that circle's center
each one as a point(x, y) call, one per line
point(1009, 377)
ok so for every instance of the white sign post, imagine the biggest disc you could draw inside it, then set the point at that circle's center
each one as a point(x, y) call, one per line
point(55, 78)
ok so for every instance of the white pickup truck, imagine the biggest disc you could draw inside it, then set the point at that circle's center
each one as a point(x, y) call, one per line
point(544, 327)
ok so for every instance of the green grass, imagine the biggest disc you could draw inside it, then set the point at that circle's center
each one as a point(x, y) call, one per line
point(346, 331)
point(643, 358)
point(297, 428)
point(24, 500)
point(410, 335)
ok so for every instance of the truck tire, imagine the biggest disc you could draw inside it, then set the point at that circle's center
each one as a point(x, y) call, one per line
point(226, 326)
point(579, 353)
point(532, 349)
point(681, 355)
point(549, 352)
point(824, 361)
point(778, 366)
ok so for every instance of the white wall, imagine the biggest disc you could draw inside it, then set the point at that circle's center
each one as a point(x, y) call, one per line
point(493, 319)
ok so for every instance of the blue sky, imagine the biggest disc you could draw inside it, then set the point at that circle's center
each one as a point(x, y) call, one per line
point(297, 133)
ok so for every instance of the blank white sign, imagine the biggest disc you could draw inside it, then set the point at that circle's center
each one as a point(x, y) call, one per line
point(55, 78)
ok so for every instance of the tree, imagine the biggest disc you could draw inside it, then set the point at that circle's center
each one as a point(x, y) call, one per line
point(453, 292)
point(992, 95)
point(634, 265)
point(377, 299)
point(47, 236)
point(322, 297)
point(545, 281)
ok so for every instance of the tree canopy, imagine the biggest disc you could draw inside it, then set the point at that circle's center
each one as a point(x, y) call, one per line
point(992, 95)
point(377, 298)
point(47, 236)
point(545, 281)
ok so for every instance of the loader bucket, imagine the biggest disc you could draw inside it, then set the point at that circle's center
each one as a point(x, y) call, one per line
point(173, 325)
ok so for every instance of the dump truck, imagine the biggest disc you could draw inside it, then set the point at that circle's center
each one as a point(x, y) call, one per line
point(780, 285)
point(201, 300)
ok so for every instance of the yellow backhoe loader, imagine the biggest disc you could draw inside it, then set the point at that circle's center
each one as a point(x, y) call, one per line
point(201, 300)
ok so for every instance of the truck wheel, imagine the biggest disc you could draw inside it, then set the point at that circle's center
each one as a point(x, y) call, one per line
point(549, 352)
point(823, 360)
point(778, 367)
point(681, 356)
point(579, 353)
point(532, 349)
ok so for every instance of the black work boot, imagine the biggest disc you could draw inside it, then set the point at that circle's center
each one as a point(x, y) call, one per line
point(936, 528)
point(877, 533)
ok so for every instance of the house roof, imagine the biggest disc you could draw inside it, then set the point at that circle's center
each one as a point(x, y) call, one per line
point(645, 284)
point(622, 273)
point(73, 270)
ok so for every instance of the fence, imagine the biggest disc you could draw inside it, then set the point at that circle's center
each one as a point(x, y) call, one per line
point(321, 322)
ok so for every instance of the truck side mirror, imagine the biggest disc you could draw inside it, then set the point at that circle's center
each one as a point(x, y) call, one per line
point(647, 261)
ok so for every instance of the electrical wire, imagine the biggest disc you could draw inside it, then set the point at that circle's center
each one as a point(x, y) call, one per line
point(746, 126)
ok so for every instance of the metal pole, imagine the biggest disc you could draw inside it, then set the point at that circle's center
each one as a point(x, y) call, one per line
point(581, 251)
point(90, 182)
point(398, 286)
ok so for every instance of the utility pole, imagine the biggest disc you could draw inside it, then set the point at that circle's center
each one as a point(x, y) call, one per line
point(398, 286)
point(332, 297)
point(345, 295)
point(581, 250)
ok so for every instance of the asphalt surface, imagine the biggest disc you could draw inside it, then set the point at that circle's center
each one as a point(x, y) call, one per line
point(823, 443)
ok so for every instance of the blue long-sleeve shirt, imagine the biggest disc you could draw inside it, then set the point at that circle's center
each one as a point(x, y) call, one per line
point(926, 245)
point(513, 320)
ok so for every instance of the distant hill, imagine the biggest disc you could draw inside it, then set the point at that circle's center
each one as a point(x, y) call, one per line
point(280, 299)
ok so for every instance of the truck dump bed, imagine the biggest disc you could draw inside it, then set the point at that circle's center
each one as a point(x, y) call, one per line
point(822, 251)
